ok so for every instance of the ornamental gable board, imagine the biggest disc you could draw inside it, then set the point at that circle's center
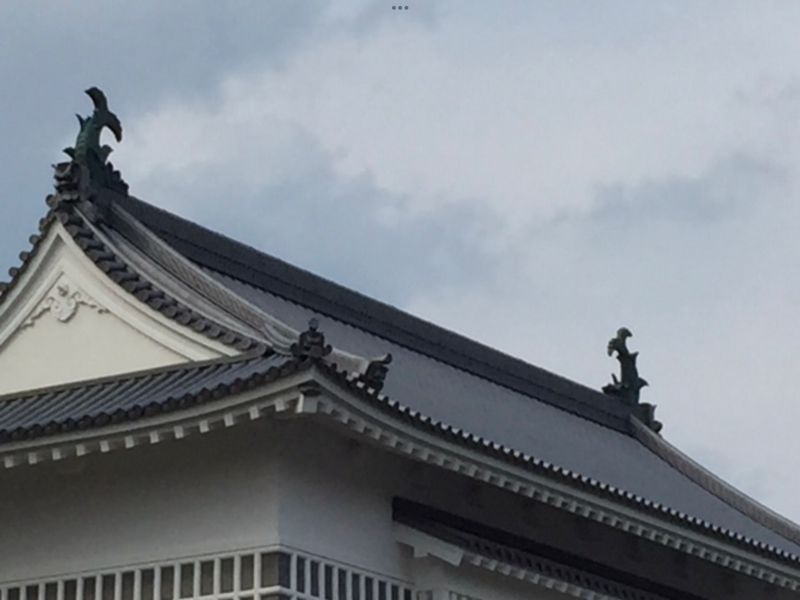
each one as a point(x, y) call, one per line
point(65, 321)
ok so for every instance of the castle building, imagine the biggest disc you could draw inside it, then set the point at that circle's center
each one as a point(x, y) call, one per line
point(183, 417)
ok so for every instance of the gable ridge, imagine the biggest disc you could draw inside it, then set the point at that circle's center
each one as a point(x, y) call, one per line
point(79, 226)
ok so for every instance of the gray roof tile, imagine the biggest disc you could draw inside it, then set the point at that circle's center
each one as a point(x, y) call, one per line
point(127, 397)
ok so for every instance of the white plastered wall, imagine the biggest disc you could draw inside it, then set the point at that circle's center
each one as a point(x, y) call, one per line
point(66, 321)
point(335, 499)
point(154, 503)
point(290, 483)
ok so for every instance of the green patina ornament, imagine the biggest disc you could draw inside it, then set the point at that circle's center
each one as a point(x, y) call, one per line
point(629, 383)
point(88, 153)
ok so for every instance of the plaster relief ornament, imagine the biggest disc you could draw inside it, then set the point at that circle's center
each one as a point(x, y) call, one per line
point(628, 385)
point(62, 303)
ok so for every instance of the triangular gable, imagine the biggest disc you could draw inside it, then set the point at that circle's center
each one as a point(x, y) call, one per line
point(64, 320)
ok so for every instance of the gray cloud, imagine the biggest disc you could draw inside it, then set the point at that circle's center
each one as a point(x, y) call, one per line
point(729, 188)
point(700, 269)
point(349, 230)
point(139, 52)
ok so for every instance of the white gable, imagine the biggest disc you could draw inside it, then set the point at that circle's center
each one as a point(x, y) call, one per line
point(66, 321)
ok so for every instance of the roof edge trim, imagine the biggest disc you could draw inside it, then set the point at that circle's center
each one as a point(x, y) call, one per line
point(277, 389)
point(551, 484)
point(717, 486)
point(270, 330)
point(77, 220)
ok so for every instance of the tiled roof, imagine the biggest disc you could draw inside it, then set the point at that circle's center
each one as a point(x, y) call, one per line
point(241, 263)
point(110, 400)
point(468, 390)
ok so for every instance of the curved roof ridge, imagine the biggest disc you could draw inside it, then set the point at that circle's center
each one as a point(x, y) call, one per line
point(80, 227)
point(109, 260)
point(713, 484)
point(275, 333)
point(279, 335)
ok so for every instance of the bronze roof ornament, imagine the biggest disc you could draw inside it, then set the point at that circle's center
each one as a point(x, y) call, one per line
point(311, 343)
point(88, 154)
point(376, 372)
point(628, 385)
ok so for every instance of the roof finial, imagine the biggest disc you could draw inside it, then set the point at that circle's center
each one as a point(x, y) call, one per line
point(628, 385)
point(88, 153)
point(376, 372)
point(311, 343)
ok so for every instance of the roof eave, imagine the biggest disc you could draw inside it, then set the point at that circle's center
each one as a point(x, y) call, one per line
point(315, 388)
point(420, 438)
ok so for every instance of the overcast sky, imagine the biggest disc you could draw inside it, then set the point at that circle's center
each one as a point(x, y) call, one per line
point(532, 174)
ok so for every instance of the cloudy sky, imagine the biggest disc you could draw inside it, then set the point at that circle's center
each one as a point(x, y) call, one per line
point(533, 174)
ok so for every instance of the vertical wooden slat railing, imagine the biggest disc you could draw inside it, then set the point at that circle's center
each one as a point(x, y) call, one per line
point(291, 575)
